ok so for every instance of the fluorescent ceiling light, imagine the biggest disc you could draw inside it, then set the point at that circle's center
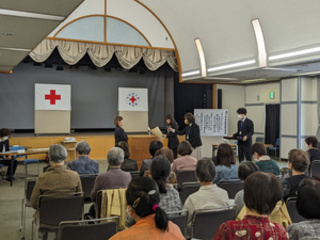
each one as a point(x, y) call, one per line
point(295, 53)
point(307, 73)
point(232, 65)
point(254, 80)
point(262, 52)
point(186, 74)
point(30, 15)
point(221, 78)
point(16, 49)
point(202, 59)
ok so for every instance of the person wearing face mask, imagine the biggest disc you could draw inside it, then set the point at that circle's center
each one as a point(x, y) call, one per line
point(244, 135)
point(4, 147)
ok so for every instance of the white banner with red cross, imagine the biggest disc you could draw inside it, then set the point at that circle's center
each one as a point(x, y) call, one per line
point(52, 97)
point(133, 99)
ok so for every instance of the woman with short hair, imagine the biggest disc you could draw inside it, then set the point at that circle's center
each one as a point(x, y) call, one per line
point(151, 221)
point(262, 191)
point(184, 161)
point(119, 133)
point(308, 207)
point(128, 165)
point(226, 163)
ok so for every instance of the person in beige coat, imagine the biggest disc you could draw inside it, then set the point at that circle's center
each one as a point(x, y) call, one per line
point(56, 180)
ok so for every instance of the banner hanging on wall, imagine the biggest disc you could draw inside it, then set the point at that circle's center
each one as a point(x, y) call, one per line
point(52, 97)
point(133, 99)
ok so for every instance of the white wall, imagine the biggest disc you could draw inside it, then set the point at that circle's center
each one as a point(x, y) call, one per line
point(256, 97)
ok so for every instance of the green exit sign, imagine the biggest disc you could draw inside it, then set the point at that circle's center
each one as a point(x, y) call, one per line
point(271, 95)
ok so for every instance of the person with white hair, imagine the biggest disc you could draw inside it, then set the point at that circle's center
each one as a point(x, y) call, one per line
point(84, 165)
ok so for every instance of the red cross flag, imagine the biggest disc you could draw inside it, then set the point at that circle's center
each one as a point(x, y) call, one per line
point(133, 99)
point(52, 97)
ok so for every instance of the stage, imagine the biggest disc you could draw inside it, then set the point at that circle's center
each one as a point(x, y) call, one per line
point(100, 143)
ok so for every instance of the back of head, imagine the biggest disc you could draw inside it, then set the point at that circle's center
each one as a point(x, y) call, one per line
point(57, 153)
point(160, 170)
point(115, 156)
point(312, 140)
point(262, 191)
point(190, 117)
point(205, 170)
point(125, 147)
point(242, 111)
point(225, 155)
point(4, 132)
point(308, 199)
point(143, 196)
point(165, 152)
point(154, 147)
point(259, 148)
point(246, 168)
point(184, 148)
point(117, 119)
point(83, 148)
point(299, 160)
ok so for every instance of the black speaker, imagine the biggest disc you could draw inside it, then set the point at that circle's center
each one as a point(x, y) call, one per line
point(219, 98)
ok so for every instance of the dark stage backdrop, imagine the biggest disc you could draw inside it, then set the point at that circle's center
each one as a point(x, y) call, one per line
point(94, 94)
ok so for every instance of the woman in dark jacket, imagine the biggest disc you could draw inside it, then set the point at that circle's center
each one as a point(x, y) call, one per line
point(119, 133)
point(173, 141)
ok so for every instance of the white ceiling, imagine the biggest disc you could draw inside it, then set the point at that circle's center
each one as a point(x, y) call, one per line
point(20, 33)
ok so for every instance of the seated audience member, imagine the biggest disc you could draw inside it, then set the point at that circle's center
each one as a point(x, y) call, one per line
point(184, 161)
point(114, 177)
point(313, 150)
point(308, 207)
point(4, 147)
point(209, 194)
point(151, 221)
point(227, 167)
point(169, 197)
point(84, 165)
point(153, 148)
point(245, 169)
point(263, 161)
point(168, 153)
point(262, 191)
point(56, 180)
point(298, 163)
point(128, 165)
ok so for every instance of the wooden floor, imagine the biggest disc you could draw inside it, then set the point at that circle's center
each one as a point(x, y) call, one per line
point(100, 144)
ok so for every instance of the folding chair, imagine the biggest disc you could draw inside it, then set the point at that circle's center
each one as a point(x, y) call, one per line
point(87, 182)
point(102, 229)
point(315, 169)
point(206, 222)
point(180, 218)
point(186, 176)
point(187, 189)
point(135, 174)
point(25, 161)
point(25, 202)
point(231, 186)
point(276, 147)
point(292, 210)
point(53, 209)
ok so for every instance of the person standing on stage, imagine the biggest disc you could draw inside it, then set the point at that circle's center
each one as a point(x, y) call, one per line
point(119, 133)
point(244, 135)
point(173, 141)
point(192, 132)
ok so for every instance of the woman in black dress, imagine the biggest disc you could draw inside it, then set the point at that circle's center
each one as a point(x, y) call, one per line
point(119, 133)
point(173, 141)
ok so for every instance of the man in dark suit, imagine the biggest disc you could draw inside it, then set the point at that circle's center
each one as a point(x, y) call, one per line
point(244, 135)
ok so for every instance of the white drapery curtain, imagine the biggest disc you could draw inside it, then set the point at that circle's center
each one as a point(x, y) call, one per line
point(72, 52)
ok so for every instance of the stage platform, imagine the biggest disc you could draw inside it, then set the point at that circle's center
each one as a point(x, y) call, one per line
point(100, 144)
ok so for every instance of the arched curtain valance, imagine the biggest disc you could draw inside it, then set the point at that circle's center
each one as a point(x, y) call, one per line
point(72, 52)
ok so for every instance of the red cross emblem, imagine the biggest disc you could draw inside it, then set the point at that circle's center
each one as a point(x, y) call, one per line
point(52, 97)
point(133, 99)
